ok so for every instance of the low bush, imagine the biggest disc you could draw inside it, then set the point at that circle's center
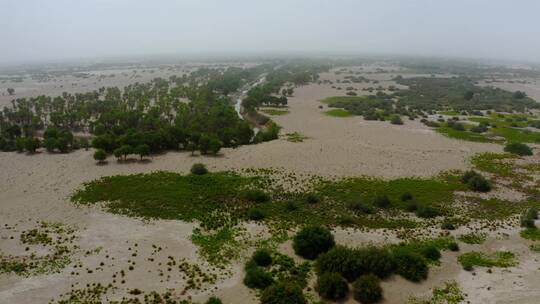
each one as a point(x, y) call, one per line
point(352, 263)
point(410, 265)
point(255, 196)
point(262, 257)
point(367, 289)
point(332, 286)
point(427, 212)
point(256, 277)
point(256, 214)
point(283, 293)
point(312, 198)
point(518, 149)
point(407, 196)
point(475, 181)
point(431, 253)
point(198, 169)
point(361, 207)
point(382, 201)
point(213, 300)
point(312, 241)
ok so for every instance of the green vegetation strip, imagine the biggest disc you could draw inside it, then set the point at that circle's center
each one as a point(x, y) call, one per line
point(499, 259)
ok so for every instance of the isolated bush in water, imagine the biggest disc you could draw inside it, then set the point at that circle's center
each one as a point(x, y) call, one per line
point(283, 293)
point(518, 149)
point(100, 155)
point(367, 289)
point(332, 286)
point(198, 169)
point(312, 241)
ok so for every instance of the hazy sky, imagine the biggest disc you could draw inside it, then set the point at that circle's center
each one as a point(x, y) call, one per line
point(36, 30)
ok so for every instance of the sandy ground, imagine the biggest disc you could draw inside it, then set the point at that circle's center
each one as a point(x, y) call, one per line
point(36, 187)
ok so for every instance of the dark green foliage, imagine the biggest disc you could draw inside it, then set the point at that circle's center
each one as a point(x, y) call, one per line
point(283, 293)
point(213, 300)
point(528, 218)
point(407, 196)
point(142, 150)
point(100, 155)
point(352, 263)
point(427, 211)
point(256, 214)
point(475, 181)
point(291, 206)
point(431, 252)
point(382, 201)
point(31, 144)
point(367, 289)
point(453, 246)
point(312, 241)
point(198, 169)
point(312, 198)
point(332, 286)
point(262, 257)
point(479, 183)
point(431, 93)
point(410, 265)
point(255, 196)
point(518, 149)
point(257, 278)
point(360, 207)
point(396, 120)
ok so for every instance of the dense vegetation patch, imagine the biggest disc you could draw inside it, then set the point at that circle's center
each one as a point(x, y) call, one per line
point(499, 259)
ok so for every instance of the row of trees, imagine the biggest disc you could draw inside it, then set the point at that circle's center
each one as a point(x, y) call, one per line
point(190, 112)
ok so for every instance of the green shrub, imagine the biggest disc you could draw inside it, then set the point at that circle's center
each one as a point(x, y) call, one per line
point(411, 206)
point(291, 206)
point(453, 246)
point(448, 225)
point(396, 120)
point(257, 278)
point(256, 214)
point(352, 263)
point(100, 155)
point(427, 212)
point(312, 198)
point(528, 218)
point(332, 286)
point(198, 169)
point(479, 183)
point(431, 253)
point(283, 293)
point(255, 196)
point(312, 241)
point(518, 149)
point(262, 257)
point(367, 289)
point(213, 300)
point(410, 265)
point(361, 207)
point(407, 196)
point(382, 201)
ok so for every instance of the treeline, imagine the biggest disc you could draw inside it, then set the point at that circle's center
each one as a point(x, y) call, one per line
point(294, 74)
point(428, 95)
point(459, 94)
point(192, 112)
